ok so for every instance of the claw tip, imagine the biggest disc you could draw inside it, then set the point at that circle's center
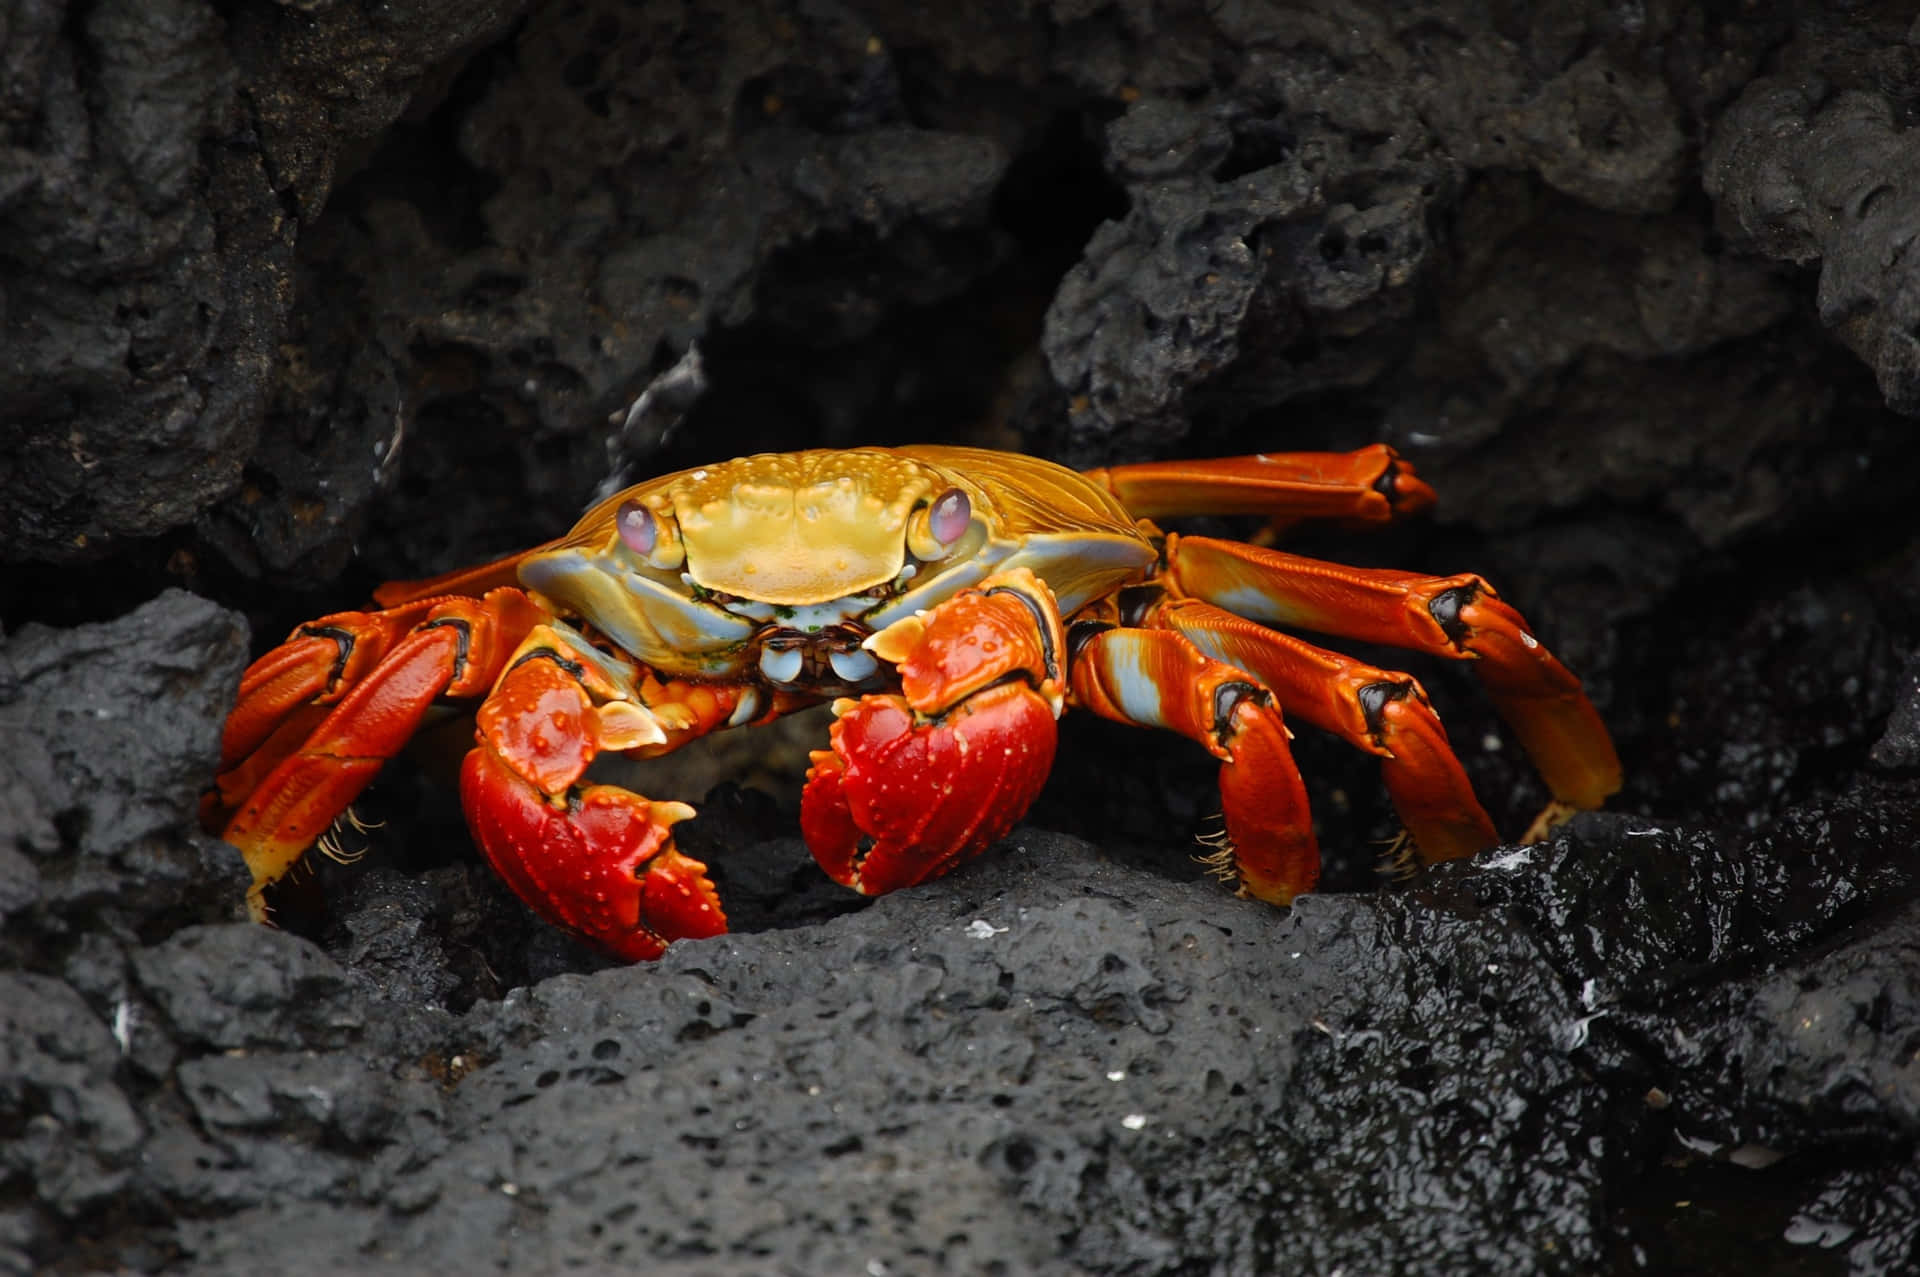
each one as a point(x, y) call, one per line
point(896, 642)
point(669, 813)
point(625, 725)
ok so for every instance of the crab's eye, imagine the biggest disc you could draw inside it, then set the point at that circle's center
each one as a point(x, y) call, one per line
point(639, 530)
point(936, 528)
point(949, 517)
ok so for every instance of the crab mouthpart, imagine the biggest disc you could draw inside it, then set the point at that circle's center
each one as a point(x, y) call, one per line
point(853, 666)
point(782, 664)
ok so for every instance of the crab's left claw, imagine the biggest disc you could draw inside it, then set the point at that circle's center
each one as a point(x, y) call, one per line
point(918, 782)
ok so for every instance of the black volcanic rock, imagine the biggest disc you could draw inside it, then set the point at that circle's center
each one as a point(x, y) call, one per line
point(295, 297)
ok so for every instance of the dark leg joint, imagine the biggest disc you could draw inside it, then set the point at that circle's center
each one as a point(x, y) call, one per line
point(1374, 699)
point(343, 648)
point(574, 668)
point(1040, 623)
point(1388, 485)
point(1227, 698)
point(1081, 633)
point(1446, 608)
point(464, 633)
point(1137, 602)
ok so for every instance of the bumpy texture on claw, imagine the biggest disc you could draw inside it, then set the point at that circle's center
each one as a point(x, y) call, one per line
point(917, 783)
point(603, 865)
point(896, 802)
point(597, 860)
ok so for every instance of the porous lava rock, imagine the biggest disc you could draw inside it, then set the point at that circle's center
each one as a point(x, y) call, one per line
point(297, 296)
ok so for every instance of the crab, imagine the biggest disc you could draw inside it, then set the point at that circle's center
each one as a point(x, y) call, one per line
point(950, 602)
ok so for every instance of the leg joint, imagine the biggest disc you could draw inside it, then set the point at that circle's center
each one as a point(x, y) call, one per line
point(1081, 633)
point(463, 641)
point(1048, 656)
point(343, 650)
point(574, 668)
point(1446, 608)
point(1374, 699)
point(1137, 603)
point(1227, 698)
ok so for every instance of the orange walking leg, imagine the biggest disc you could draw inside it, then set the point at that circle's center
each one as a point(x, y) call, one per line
point(319, 716)
point(1459, 617)
point(1370, 485)
point(1158, 678)
point(1380, 711)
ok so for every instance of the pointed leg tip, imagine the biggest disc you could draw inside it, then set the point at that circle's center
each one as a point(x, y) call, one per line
point(1551, 817)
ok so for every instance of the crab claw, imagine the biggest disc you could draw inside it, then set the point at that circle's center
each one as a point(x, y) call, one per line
point(597, 860)
point(918, 782)
point(896, 802)
point(602, 866)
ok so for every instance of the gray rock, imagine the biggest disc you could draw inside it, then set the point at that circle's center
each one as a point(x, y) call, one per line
point(1809, 170)
point(1899, 746)
point(73, 1133)
point(115, 729)
point(131, 406)
point(247, 986)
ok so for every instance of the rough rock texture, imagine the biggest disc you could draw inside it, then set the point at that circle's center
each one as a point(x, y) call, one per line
point(114, 727)
point(1811, 165)
point(296, 296)
point(150, 149)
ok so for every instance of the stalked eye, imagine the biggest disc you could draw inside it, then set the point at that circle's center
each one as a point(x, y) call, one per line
point(637, 527)
point(936, 530)
point(948, 518)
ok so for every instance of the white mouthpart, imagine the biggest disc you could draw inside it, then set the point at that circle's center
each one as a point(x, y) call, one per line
point(854, 666)
point(781, 665)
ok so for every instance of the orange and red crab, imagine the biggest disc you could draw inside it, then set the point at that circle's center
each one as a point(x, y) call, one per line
point(951, 601)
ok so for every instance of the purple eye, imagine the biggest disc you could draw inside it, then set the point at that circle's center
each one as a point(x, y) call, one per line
point(948, 518)
point(636, 526)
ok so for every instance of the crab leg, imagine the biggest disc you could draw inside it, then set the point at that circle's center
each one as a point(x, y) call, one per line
point(1382, 712)
point(598, 860)
point(480, 579)
point(917, 783)
point(317, 665)
point(291, 765)
point(1160, 678)
point(1370, 485)
point(1453, 616)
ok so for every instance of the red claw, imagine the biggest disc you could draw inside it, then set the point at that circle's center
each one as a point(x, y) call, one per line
point(922, 798)
point(918, 782)
point(604, 867)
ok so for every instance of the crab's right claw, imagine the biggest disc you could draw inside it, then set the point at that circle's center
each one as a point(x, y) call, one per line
point(597, 860)
point(604, 866)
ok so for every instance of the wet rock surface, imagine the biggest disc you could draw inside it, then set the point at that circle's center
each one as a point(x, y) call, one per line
point(295, 297)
